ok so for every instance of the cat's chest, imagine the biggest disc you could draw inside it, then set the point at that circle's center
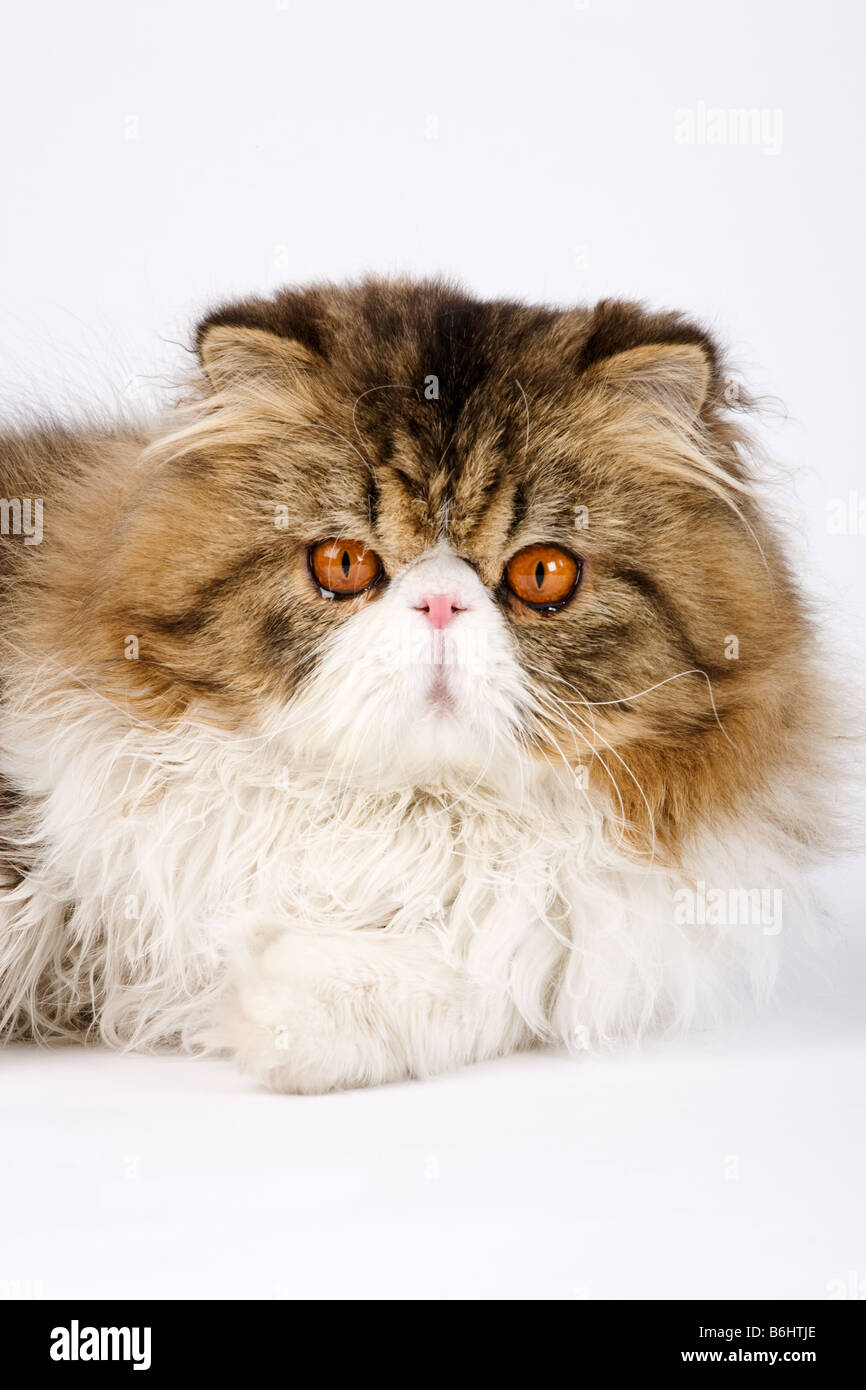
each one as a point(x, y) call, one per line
point(220, 838)
point(325, 857)
point(328, 858)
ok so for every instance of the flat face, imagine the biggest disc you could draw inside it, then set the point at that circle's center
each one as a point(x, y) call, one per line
point(456, 534)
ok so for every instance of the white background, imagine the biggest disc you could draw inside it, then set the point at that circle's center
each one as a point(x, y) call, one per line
point(156, 157)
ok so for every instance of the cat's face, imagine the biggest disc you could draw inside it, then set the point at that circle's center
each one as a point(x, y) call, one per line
point(446, 534)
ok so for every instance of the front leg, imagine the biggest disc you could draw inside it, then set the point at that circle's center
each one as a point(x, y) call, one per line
point(315, 1013)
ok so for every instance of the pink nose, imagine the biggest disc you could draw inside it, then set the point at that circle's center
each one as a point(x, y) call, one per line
point(439, 608)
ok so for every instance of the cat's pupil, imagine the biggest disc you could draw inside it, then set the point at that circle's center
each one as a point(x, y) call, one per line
point(539, 574)
point(346, 563)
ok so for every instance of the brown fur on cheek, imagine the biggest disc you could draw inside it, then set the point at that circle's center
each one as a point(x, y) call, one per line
point(672, 669)
point(227, 624)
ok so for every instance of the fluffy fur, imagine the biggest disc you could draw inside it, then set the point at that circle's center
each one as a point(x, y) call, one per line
point(331, 841)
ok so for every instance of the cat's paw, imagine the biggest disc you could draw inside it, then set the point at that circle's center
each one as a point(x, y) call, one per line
point(299, 1027)
point(314, 1014)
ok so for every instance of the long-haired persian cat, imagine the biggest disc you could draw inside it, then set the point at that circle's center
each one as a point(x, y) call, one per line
point(428, 683)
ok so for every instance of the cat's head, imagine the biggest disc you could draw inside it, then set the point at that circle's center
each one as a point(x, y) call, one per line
point(450, 536)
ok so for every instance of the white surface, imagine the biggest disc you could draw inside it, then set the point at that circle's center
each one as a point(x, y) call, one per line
point(274, 144)
point(723, 1167)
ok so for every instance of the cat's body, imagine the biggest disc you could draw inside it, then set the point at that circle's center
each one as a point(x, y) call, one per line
point(349, 839)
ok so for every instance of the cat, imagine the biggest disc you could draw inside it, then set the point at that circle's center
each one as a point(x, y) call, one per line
point(430, 682)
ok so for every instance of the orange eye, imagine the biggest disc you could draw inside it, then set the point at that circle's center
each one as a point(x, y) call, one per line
point(543, 576)
point(344, 567)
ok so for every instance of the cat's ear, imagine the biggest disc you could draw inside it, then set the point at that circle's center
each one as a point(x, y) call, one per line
point(232, 353)
point(676, 376)
point(661, 358)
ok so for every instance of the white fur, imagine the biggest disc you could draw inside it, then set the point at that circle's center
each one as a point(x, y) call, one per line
point(363, 885)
